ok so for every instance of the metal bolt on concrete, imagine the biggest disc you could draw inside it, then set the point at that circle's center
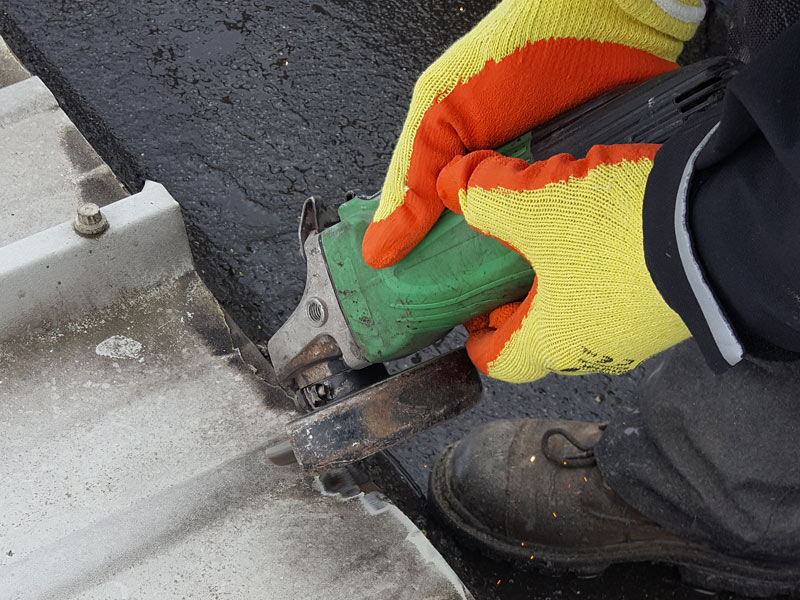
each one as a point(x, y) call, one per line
point(89, 220)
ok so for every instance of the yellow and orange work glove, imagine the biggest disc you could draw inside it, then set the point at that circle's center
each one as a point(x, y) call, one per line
point(524, 63)
point(593, 307)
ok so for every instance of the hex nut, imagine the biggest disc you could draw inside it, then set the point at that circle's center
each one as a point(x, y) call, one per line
point(317, 312)
point(89, 220)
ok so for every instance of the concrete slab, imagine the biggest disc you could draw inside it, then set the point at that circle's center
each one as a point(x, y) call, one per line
point(133, 467)
point(46, 165)
point(11, 70)
point(134, 415)
point(56, 274)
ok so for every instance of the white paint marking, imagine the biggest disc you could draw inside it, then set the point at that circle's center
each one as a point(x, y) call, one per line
point(120, 347)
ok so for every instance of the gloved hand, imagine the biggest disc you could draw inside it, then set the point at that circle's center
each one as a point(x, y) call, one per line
point(593, 306)
point(524, 63)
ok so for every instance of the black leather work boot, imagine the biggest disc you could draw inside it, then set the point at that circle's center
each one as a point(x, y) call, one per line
point(529, 491)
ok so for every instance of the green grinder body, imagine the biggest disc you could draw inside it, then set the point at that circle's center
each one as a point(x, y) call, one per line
point(453, 275)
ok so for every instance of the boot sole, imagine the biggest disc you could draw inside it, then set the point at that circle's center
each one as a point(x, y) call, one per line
point(698, 566)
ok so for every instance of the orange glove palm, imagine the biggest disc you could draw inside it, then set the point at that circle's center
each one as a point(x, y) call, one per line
point(525, 62)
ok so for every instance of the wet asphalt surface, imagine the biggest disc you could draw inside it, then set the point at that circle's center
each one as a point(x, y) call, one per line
point(242, 109)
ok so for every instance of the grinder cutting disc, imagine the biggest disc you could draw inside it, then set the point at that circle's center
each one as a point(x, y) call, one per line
point(381, 415)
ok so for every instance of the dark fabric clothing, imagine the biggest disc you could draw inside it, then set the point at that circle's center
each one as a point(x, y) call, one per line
point(739, 29)
point(753, 24)
point(713, 459)
point(744, 210)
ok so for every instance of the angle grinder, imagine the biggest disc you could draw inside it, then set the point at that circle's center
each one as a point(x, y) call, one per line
point(351, 318)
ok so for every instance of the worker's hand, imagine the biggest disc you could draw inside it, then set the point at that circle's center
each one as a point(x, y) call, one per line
point(524, 63)
point(593, 306)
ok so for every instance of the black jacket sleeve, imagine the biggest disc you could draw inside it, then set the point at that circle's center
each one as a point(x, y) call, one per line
point(722, 215)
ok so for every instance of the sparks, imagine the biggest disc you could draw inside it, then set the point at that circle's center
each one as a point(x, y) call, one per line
point(522, 544)
point(555, 516)
point(533, 458)
point(586, 480)
point(498, 581)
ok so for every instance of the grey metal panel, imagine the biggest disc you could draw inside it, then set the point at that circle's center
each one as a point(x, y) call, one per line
point(11, 70)
point(133, 428)
point(46, 165)
point(133, 466)
point(57, 275)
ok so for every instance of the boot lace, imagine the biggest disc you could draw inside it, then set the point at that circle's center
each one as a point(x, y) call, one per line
point(584, 458)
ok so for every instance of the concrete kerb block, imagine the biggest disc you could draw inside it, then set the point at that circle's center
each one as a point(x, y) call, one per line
point(11, 70)
point(24, 100)
point(57, 274)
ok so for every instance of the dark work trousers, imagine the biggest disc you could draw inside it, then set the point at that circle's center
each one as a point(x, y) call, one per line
point(713, 458)
point(716, 458)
